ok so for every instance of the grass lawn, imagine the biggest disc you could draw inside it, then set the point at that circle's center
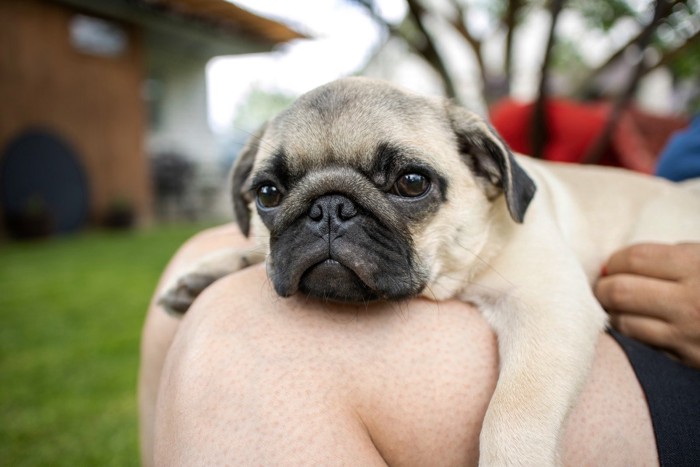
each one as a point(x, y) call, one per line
point(71, 311)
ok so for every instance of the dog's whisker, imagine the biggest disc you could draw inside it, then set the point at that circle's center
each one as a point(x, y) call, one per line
point(484, 262)
point(470, 283)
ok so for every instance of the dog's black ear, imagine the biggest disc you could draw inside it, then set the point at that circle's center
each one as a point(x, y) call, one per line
point(239, 178)
point(491, 161)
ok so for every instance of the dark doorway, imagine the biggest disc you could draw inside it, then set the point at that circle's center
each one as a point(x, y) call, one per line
point(42, 185)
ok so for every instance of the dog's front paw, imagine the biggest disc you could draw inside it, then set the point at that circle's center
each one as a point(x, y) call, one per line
point(178, 298)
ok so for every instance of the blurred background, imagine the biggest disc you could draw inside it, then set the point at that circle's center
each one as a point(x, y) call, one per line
point(120, 119)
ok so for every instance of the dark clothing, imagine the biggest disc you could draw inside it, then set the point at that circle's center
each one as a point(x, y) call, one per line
point(673, 395)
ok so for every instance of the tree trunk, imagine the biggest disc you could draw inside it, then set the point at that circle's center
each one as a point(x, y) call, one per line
point(538, 119)
point(510, 23)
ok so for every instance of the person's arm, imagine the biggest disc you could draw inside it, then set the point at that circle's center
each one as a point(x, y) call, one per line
point(652, 293)
point(160, 327)
point(247, 377)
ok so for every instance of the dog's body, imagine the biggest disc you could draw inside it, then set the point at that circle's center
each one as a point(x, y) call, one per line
point(366, 192)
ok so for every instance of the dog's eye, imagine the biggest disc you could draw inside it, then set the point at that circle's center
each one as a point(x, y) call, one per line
point(411, 185)
point(269, 196)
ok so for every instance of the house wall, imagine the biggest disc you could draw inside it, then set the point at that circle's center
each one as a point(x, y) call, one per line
point(93, 102)
point(179, 105)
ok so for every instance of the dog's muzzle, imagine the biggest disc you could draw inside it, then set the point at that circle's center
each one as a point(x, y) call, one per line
point(330, 218)
point(336, 250)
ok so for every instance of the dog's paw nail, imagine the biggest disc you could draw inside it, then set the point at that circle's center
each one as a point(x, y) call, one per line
point(178, 298)
point(174, 305)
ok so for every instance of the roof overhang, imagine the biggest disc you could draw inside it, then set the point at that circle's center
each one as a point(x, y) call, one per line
point(203, 27)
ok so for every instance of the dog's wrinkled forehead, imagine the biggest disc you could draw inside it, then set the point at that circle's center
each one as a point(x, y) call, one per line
point(349, 121)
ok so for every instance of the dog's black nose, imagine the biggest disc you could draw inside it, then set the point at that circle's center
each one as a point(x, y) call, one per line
point(332, 210)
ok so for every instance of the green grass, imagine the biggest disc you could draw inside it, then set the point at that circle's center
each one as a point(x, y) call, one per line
point(71, 311)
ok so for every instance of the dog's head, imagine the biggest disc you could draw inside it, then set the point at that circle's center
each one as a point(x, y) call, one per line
point(370, 192)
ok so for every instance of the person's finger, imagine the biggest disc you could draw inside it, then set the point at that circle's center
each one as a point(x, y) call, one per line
point(690, 355)
point(639, 295)
point(650, 259)
point(651, 331)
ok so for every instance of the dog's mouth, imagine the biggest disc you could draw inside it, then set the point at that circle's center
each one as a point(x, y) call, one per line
point(337, 250)
point(348, 274)
point(331, 280)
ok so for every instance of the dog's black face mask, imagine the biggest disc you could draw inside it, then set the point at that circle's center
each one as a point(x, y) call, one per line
point(343, 233)
point(338, 250)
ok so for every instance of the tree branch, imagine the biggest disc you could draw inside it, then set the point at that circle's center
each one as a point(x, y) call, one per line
point(429, 50)
point(426, 49)
point(597, 149)
point(670, 55)
point(511, 15)
point(643, 36)
point(459, 24)
point(377, 18)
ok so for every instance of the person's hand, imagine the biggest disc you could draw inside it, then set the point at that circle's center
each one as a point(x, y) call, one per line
point(652, 293)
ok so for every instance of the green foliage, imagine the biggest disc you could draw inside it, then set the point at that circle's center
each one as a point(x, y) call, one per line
point(688, 64)
point(603, 14)
point(259, 106)
point(680, 30)
point(566, 56)
point(71, 312)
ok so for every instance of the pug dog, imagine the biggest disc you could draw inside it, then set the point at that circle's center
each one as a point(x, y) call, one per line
point(361, 191)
